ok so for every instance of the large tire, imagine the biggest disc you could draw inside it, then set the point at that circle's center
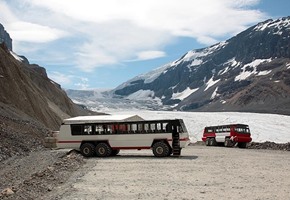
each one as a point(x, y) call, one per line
point(160, 149)
point(103, 150)
point(242, 145)
point(228, 142)
point(115, 152)
point(207, 141)
point(87, 149)
point(212, 142)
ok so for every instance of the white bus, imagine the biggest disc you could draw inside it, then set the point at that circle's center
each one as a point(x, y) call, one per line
point(106, 135)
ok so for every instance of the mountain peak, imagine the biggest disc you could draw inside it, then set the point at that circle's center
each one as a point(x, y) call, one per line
point(223, 76)
point(277, 25)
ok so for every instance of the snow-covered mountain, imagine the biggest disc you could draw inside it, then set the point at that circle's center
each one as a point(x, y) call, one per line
point(105, 101)
point(249, 72)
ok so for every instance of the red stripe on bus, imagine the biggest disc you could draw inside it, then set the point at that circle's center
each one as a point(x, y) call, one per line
point(67, 141)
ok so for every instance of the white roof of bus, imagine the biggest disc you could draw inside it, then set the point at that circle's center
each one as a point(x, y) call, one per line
point(102, 118)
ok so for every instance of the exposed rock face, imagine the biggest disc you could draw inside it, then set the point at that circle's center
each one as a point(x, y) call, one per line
point(31, 105)
point(5, 38)
point(28, 89)
point(249, 72)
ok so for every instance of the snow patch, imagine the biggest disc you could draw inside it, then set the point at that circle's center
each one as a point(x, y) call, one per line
point(210, 83)
point(142, 95)
point(230, 63)
point(263, 73)
point(223, 101)
point(245, 74)
point(198, 54)
point(195, 62)
point(182, 95)
point(276, 25)
point(16, 56)
point(215, 94)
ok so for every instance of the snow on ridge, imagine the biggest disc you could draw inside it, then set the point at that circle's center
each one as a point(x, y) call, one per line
point(210, 83)
point(277, 24)
point(16, 56)
point(194, 55)
point(245, 74)
point(147, 77)
point(198, 54)
point(184, 94)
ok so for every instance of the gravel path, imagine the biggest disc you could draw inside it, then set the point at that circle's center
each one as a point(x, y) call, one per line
point(200, 173)
point(36, 175)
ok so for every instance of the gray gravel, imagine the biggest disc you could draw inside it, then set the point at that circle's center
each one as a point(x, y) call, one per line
point(35, 175)
point(200, 173)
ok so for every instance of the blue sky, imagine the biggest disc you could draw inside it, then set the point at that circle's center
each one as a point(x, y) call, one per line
point(89, 44)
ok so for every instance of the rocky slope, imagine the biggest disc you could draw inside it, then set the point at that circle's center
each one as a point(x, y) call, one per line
point(249, 72)
point(30, 105)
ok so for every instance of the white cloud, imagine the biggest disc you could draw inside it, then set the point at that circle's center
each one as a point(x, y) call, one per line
point(113, 31)
point(60, 78)
point(66, 81)
point(29, 32)
point(83, 84)
point(147, 55)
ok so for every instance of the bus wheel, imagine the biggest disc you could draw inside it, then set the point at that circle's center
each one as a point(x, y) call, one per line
point(160, 149)
point(242, 145)
point(103, 150)
point(207, 141)
point(87, 150)
point(228, 142)
point(212, 142)
point(115, 152)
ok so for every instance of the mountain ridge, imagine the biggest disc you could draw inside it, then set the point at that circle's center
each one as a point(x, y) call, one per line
point(225, 76)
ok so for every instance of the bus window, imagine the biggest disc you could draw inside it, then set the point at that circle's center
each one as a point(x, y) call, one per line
point(180, 130)
point(134, 128)
point(168, 128)
point(87, 130)
point(152, 128)
point(76, 129)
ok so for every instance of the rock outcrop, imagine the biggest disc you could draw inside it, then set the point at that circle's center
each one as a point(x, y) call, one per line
point(5, 38)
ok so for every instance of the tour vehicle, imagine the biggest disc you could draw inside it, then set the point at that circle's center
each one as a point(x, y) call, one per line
point(228, 135)
point(106, 135)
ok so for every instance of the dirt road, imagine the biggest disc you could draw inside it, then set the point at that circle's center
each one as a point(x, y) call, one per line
point(200, 173)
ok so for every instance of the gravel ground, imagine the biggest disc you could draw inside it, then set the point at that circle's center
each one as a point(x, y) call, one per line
point(35, 175)
point(200, 173)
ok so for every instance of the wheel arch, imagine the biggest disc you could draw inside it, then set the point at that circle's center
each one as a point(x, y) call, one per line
point(160, 140)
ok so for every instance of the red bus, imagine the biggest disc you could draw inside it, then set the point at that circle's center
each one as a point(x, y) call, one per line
point(228, 135)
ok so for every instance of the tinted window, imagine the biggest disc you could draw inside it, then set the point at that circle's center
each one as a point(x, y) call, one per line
point(76, 129)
